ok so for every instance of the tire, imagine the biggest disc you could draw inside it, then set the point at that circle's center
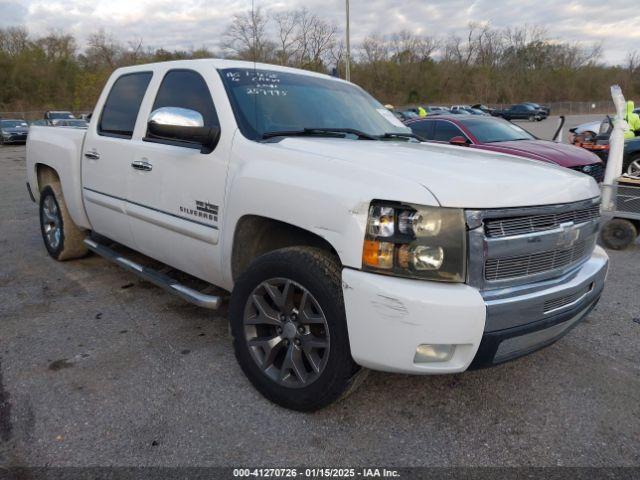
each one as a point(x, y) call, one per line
point(632, 166)
point(62, 238)
point(532, 118)
point(271, 370)
point(618, 234)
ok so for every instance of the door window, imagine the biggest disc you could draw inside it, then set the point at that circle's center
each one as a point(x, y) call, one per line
point(445, 131)
point(423, 129)
point(120, 111)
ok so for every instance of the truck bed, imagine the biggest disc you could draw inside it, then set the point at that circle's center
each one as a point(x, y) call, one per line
point(61, 149)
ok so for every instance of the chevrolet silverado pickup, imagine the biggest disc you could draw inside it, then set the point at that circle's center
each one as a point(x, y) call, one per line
point(342, 241)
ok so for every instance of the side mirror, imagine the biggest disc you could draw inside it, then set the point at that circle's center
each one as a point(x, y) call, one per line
point(181, 125)
point(460, 141)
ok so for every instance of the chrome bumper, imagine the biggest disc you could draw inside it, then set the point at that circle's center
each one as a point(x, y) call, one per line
point(522, 319)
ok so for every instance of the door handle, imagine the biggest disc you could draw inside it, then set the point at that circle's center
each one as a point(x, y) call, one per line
point(93, 155)
point(142, 165)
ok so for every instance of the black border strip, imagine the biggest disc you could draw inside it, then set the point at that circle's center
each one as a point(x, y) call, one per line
point(151, 208)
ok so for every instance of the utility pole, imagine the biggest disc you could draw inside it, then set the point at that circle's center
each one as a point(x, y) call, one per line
point(347, 70)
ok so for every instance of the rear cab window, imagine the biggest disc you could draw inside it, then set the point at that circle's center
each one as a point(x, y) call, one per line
point(120, 111)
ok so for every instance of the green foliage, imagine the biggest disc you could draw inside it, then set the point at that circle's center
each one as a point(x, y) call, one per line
point(488, 65)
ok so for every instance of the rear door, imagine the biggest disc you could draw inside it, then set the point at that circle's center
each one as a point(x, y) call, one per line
point(174, 203)
point(107, 154)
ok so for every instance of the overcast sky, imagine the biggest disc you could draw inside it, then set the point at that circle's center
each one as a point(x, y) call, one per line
point(196, 23)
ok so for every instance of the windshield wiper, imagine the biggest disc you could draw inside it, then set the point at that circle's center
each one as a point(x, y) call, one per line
point(402, 135)
point(324, 132)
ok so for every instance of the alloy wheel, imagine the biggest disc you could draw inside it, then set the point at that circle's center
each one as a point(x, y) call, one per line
point(634, 168)
point(286, 332)
point(51, 223)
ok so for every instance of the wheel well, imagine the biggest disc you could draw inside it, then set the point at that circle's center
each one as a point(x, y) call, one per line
point(255, 236)
point(46, 176)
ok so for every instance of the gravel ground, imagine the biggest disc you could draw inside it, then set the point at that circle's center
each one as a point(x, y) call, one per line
point(99, 368)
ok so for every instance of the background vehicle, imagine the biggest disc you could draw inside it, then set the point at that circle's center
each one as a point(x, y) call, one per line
point(484, 108)
point(53, 116)
point(13, 131)
point(75, 123)
point(333, 237)
point(537, 106)
point(631, 158)
point(522, 111)
point(622, 219)
point(488, 133)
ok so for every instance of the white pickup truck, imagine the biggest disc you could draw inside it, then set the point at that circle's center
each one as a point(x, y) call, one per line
point(345, 242)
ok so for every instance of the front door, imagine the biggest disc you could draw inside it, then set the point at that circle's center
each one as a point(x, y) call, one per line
point(175, 192)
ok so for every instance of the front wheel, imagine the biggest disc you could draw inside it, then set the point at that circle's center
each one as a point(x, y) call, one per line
point(289, 328)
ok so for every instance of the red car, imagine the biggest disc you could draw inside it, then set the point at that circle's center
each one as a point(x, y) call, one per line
point(498, 135)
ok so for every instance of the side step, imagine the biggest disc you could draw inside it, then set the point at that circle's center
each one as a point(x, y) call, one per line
point(212, 302)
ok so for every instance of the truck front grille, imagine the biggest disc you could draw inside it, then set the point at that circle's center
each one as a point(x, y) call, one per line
point(518, 246)
point(524, 265)
point(522, 225)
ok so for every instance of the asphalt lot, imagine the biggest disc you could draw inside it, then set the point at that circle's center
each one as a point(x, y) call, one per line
point(99, 368)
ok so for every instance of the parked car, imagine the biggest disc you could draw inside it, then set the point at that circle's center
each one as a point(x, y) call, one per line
point(74, 123)
point(544, 108)
point(345, 242)
point(53, 116)
point(405, 114)
point(522, 111)
point(484, 108)
point(494, 134)
point(13, 131)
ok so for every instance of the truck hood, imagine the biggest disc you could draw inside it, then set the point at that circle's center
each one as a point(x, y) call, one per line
point(558, 153)
point(457, 177)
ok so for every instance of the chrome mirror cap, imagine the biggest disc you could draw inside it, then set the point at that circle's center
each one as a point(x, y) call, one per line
point(176, 117)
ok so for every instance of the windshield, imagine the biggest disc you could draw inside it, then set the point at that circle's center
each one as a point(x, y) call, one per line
point(494, 130)
point(266, 101)
point(12, 123)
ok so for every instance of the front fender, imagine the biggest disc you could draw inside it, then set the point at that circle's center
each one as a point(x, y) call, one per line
point(327, 197)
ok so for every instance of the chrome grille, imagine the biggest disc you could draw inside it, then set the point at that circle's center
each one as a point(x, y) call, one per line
point(557, 303)
point(525, 265)
point(522, 225)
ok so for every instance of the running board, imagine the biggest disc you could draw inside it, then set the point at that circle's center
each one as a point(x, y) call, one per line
point(212, 302)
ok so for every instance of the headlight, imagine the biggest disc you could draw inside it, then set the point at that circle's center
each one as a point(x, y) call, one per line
point(415, 241)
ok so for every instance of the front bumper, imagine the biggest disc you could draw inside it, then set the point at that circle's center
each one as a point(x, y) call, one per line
point(15, 138)
point(389, 317)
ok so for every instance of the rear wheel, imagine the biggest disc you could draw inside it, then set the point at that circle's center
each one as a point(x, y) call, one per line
point(62, 238)
point(289, 328)
point(618, 234)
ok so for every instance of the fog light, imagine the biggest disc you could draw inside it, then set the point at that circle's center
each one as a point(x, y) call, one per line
point(433, 353)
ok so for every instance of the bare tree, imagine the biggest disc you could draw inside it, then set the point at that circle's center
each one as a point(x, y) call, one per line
point(13, 40)
point(246, 36)
point(287, 24)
